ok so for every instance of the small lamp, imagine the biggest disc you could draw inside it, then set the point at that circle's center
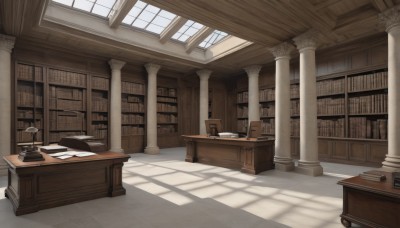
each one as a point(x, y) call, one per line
point(29, 153)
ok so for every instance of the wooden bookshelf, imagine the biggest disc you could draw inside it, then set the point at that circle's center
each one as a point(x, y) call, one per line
point(167, 111)
point(133, 116)
point(60, 102)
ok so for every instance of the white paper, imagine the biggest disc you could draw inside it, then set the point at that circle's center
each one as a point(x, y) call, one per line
point(64, 157)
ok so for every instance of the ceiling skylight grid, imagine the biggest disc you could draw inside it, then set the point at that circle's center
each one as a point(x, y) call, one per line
point(187, 30)
point(213, 38)
point(148, 17)
point(99, 7)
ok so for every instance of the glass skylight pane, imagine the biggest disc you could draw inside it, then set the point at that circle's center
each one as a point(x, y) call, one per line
point(152, 9)
point(140, 4)
point(128, 20)
point(64, 2)
point(188, 29)
point(85, 5)
point(146, 16)
point(212, 39)
point(155, 28)
point(101, 10)
point(140, 24)
point(106, 3)
point(167, 14)
point(134, 13)
point(161, 21)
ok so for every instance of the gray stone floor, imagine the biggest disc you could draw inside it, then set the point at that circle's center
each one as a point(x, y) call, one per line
point(164, 191)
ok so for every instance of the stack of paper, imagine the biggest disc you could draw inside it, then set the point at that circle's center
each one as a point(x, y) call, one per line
point(373, 175)
point(69, 154)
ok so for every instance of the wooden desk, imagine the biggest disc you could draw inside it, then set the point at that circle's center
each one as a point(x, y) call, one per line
point(33, 186)
point(249, 155)
point(369, 203)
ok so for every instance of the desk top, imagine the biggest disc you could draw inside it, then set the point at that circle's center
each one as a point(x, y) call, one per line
point(226, 139)
point(14, 162)
point(383, 188)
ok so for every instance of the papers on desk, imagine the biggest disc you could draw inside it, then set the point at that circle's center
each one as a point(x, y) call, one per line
point(69, 154)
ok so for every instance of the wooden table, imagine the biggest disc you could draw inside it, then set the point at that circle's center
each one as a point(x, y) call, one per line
point(369, 203)
point(33, 186)
point(249, 155)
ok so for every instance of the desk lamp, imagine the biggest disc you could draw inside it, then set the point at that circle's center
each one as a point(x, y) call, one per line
point(29, 154)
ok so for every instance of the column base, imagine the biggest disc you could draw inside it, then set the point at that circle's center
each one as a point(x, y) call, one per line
point(152, 150)
point(283, 164)
point(119, 150)
point(310, 168)
point(391, 162)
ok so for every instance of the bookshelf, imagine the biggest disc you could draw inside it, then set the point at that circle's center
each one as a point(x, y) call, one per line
point(210, 104)
point(60, 102)
point(167, 111)
point(133, 116)
point(28, 104)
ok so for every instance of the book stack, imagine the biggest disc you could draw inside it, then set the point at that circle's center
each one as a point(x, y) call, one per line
point(373, 175)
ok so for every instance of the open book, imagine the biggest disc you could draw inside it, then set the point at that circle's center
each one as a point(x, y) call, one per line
point(69, 154)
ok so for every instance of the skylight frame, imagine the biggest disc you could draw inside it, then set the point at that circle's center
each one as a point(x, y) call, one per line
point(219, 36)
point(71, 4)
point(185, 29)
point(149, 25)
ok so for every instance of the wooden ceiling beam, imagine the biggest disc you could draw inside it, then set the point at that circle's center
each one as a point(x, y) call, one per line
point(121, 9)
point(172, 28)
point(195, 40)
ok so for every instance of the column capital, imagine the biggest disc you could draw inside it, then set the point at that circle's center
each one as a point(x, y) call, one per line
point(204, 74)
point(116, 64)
point(390, 18)
point(253, 70)
point(152, 68)
point(307, 40)
point(282, 50)
point(6, 43)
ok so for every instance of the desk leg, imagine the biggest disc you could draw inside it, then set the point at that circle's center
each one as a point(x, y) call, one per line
point(248, 165)
point(191, 151)
point(345, 222)
point(116, 188)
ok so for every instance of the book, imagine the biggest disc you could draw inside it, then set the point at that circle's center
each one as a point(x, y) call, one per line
point(53, 149)
point(373, 175)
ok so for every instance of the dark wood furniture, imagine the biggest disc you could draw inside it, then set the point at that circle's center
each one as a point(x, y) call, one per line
point(370, 203)
point(249, 155)
point(54, 182)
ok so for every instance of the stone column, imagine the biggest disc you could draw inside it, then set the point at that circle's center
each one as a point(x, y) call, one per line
point(6, 46)
point(308, 163)
point(115, 105)
point(282, 159)
point(254, 99)
point(152, 147)
point(204, 75)
point(391, 18)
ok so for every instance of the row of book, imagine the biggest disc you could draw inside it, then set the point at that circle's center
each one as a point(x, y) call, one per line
point(132, 119)
point(132, 107)
point(99, 116)
point(327, 87)
point(66, 93)
point(67, 78)
point(243, 97)
point(294, 91)
point(377, 103)
point(100, 83)
point(56, 136)
point(166, 118)
point(295, 107)
point(61, 121)
point(330, 106)
point(331, 128)
point(62, 104)
point(98, 126)
point(23, 136)
point(163, 107)
point(28, 114)
point(167, 99)
point(267, 111)
point(368, 81)
point(267, 95)
point(23, 124)
point(99, 104)
point(166, 129)
point(132, 88)
point(26, 96)
point(295, 127)
point(268, 126)
point(361, 127)
point(100, 133)
point(132, 99)
point(242, 125)
point(242, 111)
point(25, 72)
point(132, 130)
point(170, 92)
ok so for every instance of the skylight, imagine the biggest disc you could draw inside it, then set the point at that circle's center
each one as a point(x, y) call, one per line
point(99, 7)
point(213, 38)
point(188, 29)
point(148, 17)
